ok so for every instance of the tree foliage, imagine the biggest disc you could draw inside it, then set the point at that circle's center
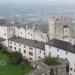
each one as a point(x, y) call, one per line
point(1, 47)
point(15, 57)
point(51, 61)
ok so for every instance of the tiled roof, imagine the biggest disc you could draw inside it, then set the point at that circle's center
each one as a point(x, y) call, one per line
point(29, 42)
point(62, 45)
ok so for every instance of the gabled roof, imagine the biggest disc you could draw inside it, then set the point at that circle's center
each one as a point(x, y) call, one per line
point(29, 42)
point(36, 27)
point(62, 45)
point(24, 26)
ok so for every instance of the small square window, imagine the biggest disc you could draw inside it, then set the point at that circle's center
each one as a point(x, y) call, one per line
point(40, 51)
point(66, 52)
point(24, 51)
point(15, 43)
point(24, 46)
point(19, 44)
point(5, 34)
point(30, 58)
point(39, 57)
point(58, 49)
point(74, 70)
point(15, 48)
point(30, 53)
point(71, 69)
point(11, 47)
point(10, 42)
point(31, 34)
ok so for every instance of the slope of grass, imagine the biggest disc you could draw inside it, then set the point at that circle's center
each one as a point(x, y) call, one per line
point(10, 69)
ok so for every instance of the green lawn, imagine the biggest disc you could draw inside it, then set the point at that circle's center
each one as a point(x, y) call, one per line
point(9, 69)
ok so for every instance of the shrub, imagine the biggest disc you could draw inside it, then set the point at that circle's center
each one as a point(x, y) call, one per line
point(1, 47)
point(51, 61)
point(15, 57)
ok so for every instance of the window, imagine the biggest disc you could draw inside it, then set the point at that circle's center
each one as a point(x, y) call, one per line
point(66, 52)
point(71, 69)
point(24, 51)
point(24, 46)
point(31, 34)
point(30, 58)
point(10, 42)
point(44, 53)
point(5, 34)
point(66, 59)
point(15, 48)
point(11, 47)
point(58, 49)
point(19, 44)
point(39, 57)
point(40, 51)
point(74, 70)
point(31, 48)
point(21, 32)
point(30, 53)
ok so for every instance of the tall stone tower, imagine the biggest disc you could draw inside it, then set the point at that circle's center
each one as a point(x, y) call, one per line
point(51, 27)
point(66, 34)
point(59, 28)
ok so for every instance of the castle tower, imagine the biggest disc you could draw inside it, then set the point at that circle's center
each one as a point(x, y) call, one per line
point(51, 31)
point(59, 28)
point(66, 33)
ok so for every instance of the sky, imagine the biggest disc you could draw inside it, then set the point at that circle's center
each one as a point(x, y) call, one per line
point(37, 1)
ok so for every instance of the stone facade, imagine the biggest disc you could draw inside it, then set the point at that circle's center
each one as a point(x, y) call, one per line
point(59, 28)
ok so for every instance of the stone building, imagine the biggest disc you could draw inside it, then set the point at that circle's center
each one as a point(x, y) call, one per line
point(60, 28)
point(43, 69)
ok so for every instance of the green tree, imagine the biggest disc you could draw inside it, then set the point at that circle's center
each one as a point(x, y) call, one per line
point(1, 47)
point(51, 61)
point(15, 57)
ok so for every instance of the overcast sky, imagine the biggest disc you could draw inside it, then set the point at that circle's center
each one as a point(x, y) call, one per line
point(35, 1)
